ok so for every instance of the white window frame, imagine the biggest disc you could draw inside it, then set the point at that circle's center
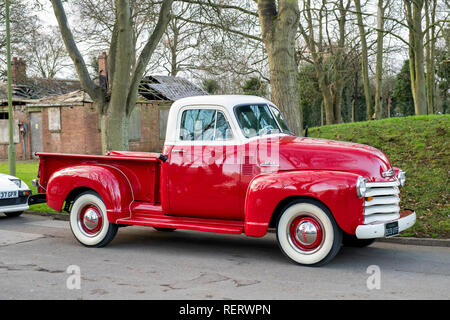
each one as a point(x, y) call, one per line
point(235, 140)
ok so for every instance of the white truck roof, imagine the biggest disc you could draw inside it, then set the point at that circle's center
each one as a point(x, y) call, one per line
point(227, 102)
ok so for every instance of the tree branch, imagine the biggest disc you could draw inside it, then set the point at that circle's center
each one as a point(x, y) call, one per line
point(147, 51)
point(209, 3)
point(218, 26)
point(95, 92)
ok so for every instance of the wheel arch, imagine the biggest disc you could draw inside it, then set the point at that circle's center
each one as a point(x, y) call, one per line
point(287, 201)
point(268, 194)
point(111, 186)
point(73, 194)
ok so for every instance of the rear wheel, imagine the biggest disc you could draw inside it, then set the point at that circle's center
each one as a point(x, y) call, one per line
point(13, 214)
point(89, 221)
point(308, 234)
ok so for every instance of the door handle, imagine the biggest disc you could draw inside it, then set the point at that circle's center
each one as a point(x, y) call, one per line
point(178, 150)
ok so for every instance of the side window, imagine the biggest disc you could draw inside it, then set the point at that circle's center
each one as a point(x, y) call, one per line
point(204, 125)
point(197, 124)
point(223, 130)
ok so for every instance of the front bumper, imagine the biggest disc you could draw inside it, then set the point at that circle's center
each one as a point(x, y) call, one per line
point(15, 208)
point(16, 204)
point(377, 229)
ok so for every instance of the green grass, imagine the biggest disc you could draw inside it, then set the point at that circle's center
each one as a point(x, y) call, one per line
point(27, 171)
point(418, 145)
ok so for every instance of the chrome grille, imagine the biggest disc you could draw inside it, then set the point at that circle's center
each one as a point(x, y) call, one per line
point(384, 205)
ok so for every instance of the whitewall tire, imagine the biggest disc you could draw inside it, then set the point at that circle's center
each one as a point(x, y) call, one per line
point(308, 234)
point(89, 221)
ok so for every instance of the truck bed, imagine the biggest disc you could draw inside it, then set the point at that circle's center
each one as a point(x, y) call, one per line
point(142, 169)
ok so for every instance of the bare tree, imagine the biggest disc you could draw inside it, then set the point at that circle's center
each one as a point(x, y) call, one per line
point(381, 9)
point(115, 102)
point(279, 25)
point(45, 52)
point(364, 60)
point(23, 21)
point(328, 47)
point(430, 47)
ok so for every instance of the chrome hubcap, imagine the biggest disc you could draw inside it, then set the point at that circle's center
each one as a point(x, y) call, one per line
point(90, 219)
point(306, 233)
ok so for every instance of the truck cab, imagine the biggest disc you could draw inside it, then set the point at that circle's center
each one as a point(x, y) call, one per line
point(231, 165)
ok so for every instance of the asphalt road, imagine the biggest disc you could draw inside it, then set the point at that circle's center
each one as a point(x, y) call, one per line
point(40, 259)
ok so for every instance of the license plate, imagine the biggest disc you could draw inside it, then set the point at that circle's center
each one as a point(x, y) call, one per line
point(9, 194)
point(391, 229)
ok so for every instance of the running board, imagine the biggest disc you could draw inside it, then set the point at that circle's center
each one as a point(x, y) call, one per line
point(198, 224)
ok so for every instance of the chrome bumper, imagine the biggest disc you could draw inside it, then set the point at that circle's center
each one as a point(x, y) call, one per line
point(377, 230)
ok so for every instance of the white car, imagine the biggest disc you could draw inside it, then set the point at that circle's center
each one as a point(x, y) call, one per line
point(14, 194)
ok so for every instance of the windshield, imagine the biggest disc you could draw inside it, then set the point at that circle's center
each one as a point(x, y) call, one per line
point(258, 120)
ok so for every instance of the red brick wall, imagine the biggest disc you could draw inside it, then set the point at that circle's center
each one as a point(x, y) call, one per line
point(80, 132)
point(150, 141)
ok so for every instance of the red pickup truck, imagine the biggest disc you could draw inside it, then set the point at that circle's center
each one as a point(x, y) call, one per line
point(231, 165)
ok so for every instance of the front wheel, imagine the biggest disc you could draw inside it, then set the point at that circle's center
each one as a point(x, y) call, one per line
point(89, 221)
point(351, 240)
point(308, 234)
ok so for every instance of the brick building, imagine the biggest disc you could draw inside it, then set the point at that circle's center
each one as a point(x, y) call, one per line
point(25, 90)
point(67, 121)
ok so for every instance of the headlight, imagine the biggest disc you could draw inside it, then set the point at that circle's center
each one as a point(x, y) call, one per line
point(402, 177)
point(18, 182)
point(361, 187)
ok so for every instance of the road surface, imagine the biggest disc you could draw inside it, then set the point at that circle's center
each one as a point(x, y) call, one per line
point(40, 259)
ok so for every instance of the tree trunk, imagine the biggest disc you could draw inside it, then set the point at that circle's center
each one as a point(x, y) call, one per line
point(379, 61)
point(416, 55)
point(364, 61)
point(114, 130)
point(420, 103)
point(278, 32)
point(430, 16)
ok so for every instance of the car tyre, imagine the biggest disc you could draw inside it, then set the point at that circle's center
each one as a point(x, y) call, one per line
point(13, 214)
point(89, 221)
point(164, 229)
point(308, 234)
point(350, 240)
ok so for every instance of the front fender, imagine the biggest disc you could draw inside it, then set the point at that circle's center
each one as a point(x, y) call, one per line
point(110, 183)
point(335, 189)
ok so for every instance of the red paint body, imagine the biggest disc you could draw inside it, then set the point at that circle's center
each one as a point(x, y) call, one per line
point(226, 191)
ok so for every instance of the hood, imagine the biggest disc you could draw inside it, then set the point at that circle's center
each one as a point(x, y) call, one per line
point(7, 185)
point(320, 154)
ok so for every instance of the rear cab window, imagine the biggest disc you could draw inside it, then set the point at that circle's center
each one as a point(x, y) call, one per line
point(204, 125)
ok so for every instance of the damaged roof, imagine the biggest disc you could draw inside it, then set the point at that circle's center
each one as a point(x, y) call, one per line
point(78, 97)
point(152, 88)
point(37, 88)
point(168, 88)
